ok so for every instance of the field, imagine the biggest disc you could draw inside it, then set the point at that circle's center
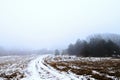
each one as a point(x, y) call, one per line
point(89, 67)
point(13, 67)
point(50, 67)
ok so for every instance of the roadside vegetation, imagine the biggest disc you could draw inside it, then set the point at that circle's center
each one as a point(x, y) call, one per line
point(13, 67)
point(97, 68)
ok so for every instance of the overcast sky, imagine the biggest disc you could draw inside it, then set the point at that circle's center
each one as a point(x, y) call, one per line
point(36, 24)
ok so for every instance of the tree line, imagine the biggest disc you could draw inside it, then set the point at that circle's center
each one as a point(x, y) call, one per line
point(95, 46)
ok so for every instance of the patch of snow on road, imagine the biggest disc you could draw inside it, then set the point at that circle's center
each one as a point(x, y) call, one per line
point(39, 70)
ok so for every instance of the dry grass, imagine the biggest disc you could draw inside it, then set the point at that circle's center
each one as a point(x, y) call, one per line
point(102, 69)
point(12, 67)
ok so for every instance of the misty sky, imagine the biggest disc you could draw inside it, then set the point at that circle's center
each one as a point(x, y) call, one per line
point(36, 24)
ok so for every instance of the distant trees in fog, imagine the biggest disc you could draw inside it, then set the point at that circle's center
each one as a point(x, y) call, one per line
point(57, 52)
point(96, 46)
point(5, 52)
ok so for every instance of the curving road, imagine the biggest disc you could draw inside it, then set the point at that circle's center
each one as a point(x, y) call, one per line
point(38, 71)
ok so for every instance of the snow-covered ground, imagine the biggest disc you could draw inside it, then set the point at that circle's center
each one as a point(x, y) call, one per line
point(38, 68)
point(12, 67)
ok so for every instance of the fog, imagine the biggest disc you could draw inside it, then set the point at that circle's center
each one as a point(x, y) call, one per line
point(53, 24)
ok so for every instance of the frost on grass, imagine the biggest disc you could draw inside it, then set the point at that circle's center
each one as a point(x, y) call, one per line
point(88, 67)
point(13, 67)
point(49, 67)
